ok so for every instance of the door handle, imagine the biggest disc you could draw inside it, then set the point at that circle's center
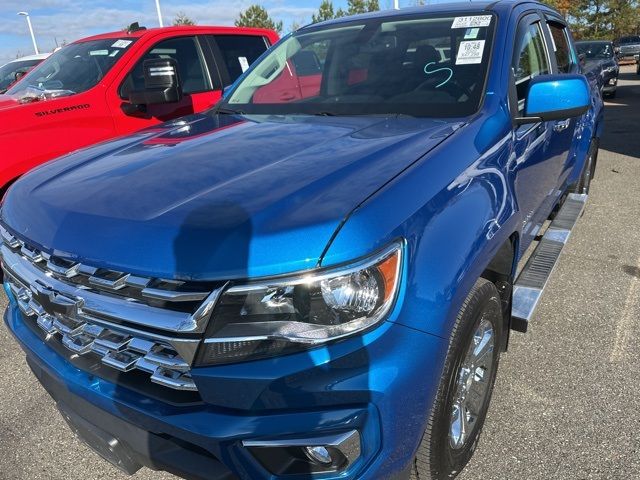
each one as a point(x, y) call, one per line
point(561, 125)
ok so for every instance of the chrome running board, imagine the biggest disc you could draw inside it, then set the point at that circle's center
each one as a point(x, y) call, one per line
point(530, 283)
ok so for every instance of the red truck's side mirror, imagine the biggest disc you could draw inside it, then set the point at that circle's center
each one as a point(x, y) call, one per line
point(161, 81)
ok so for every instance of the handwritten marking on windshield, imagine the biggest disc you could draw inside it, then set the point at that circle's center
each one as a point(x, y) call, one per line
point(431, 72)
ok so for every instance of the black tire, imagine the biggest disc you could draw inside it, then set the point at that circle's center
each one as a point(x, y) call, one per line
point(436, 458)
point(612, 94)
point(588, 170)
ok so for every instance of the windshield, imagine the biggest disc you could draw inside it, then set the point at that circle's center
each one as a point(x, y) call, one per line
point(72, 69)
point(625, 40)
point(11, 72)
point(423, 65)
point(593, 50)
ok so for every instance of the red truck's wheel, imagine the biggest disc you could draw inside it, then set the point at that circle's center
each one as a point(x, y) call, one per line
point(463, 396)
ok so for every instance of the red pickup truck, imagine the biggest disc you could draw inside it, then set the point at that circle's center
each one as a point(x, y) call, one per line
point(107, 85)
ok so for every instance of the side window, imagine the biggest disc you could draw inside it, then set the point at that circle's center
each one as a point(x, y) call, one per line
point(561, 47)
point(191, 67)
point(530, 59)
point(239, 51)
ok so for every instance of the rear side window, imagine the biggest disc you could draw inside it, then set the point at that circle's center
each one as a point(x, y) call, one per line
point(239, 51)
point(561, 47)
point(530, 59)
point(191, 67)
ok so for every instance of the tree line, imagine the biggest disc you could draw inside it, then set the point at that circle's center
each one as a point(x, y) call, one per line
point(589, 19)
point(257, 16)
point(600, 19)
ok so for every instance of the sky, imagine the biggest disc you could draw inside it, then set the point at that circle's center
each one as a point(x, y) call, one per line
point(55, 21)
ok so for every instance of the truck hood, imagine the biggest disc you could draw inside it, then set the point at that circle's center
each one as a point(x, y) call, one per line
point(7, 101)
point(215, 196)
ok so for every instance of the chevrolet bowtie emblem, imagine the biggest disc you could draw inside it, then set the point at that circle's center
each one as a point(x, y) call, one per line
point(53, 302)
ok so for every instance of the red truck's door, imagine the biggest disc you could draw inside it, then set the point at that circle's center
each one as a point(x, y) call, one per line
point(201, 86)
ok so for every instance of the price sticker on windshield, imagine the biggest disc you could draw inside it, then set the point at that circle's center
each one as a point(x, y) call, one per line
point(244, 63)
point(121, 44)
point(470, 52)
point(471, 21)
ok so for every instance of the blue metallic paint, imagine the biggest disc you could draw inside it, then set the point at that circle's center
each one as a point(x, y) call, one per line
point(355, 383)
point(552, 93)
point(221, 197)
point(293, 193)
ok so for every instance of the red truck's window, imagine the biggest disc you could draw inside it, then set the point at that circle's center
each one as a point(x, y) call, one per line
point(191, 67)
point(239, 51)
point(73, 69)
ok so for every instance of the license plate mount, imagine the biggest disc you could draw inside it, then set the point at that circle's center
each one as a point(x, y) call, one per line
point(104, 444)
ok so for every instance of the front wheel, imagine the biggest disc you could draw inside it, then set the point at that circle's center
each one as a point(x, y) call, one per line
point(463, 396)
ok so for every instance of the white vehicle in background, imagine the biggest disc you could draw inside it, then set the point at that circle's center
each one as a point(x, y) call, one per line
point(13, 71)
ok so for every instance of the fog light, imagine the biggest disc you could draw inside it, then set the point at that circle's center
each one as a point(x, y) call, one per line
point(319, 454)
point(613, 81)
point(307, 456)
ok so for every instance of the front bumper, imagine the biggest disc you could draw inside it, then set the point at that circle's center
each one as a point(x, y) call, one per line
point(381, 384)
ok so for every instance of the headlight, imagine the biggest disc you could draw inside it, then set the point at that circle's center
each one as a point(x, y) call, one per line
point(289, 314)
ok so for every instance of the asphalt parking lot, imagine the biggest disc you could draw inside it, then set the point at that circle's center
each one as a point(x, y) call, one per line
point(566, 403)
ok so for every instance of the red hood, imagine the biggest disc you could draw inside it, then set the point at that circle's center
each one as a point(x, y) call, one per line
point(7, 101)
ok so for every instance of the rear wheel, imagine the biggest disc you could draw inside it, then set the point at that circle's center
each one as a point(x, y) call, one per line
point(463, 396)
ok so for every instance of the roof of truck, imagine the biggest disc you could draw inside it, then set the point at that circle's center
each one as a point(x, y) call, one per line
point(449, 7)
point(143, 32)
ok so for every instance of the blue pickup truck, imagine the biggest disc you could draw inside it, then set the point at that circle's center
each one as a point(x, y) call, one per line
point(316, 278)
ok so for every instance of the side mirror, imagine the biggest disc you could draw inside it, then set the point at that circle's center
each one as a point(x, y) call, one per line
point(161, 81)
point(556, 97)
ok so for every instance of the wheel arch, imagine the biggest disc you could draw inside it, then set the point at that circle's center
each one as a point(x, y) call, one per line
point(501, 271)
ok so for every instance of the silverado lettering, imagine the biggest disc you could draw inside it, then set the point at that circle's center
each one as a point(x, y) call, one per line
point(62, 110)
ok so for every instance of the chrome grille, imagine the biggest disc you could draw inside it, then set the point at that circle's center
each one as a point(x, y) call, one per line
point(75, 304)
point(172, 294)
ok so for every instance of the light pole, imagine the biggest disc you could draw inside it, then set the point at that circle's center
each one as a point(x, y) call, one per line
point(396, 5)
point(159, 13)
point(33, 37)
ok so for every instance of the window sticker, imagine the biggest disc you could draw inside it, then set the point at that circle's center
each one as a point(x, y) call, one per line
point(471, 33)
point(121, 44)
point(244, 63)
point(470, 52)
point(472, 21)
